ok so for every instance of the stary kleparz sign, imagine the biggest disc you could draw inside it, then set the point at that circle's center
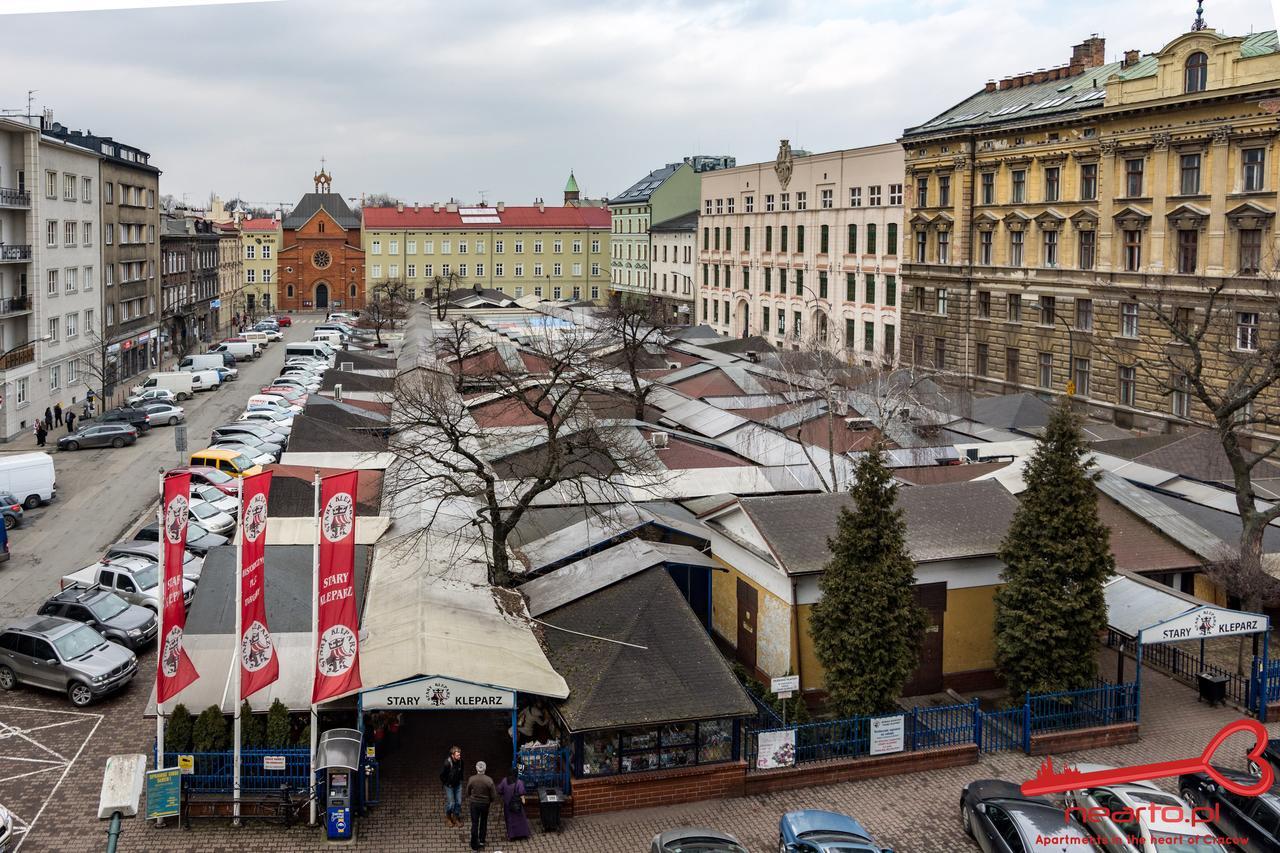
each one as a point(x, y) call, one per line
point(1203, 623)
point(439, 694)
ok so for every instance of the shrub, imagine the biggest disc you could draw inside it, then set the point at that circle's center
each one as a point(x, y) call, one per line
point(252, 731)
point(277, 734)
point(210, 731)
point(177, 731)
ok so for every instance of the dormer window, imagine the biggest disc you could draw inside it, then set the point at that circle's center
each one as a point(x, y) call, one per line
point(1197, 75)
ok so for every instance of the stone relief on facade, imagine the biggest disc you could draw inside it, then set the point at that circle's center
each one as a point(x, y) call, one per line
point(784, 164)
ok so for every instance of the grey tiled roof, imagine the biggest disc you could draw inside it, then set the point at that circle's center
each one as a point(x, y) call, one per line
point(683, 222)
point(948, 521)
point(1012, 411)
point(678, 675)
point(641, 190)
point(331, 203)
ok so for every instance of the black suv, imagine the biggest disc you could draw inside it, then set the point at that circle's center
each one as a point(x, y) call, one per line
point(126, 415)
point(1254, 819)
point(114, 618)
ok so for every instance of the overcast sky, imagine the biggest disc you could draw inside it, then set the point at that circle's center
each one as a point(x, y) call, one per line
point(429, 100)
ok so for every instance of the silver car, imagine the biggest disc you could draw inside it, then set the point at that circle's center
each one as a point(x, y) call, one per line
point(6, 829)
point(63, 655)
point(164, 413)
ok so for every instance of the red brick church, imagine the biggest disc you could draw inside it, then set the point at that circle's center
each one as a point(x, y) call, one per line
point(321, 264)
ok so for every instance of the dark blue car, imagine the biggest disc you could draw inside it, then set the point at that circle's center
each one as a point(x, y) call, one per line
point(812, 831)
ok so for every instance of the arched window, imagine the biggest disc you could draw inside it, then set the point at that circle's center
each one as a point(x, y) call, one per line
point(290, 289)
point(353, 291)
point(320, 227)
point(1197, 72)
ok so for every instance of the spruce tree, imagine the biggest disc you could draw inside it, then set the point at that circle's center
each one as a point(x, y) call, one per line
point(867, 627)
point(1057, 555)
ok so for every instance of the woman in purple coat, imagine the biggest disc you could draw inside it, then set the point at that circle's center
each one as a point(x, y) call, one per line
point(511, 789)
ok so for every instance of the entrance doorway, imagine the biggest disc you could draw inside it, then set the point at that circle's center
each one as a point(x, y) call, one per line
point(927, 677)
point(322, 295)
point(748, 599)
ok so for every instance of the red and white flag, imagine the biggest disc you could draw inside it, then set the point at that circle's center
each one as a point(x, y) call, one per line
point(259, 665)
point(337, 621)
point(174, 671)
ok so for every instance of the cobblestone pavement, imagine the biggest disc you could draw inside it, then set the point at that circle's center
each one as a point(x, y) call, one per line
point(914, 813)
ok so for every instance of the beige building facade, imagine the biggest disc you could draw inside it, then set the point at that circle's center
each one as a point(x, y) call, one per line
point(260, 245)
point(673, 247)
point(1050, 212)
point(803, 250)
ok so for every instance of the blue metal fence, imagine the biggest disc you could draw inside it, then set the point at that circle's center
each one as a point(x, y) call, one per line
point(213, 770)
point(1185, 666)
point(1269, 678)
point(549, 767)
point(1007, 729)
point(1104, 705)
point(766, 717)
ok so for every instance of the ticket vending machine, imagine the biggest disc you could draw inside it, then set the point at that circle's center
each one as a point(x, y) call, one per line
point(338, 762)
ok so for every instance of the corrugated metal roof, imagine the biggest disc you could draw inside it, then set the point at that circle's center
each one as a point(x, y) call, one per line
point(1144, 67)
point(1135, 603)
point(1163, 517)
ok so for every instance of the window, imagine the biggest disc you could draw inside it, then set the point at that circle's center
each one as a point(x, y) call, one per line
point(376, 248)
point(895, 197)
point(72, 326)
point(940, 353)
point(411, 270)
point(519, 271)
point(855, 197)
point(53, 282)
point(869, 335)
point(853, 239)
point(1246, 330)
point(1013, 307)
point(86, 189)
point(73, 371)
point(250, 276)
point(944, 190)
point(799, 238)
point(55, 376)
point(249, 252)
point(50, 184)
point(917, 350)
point(1081, 375)
point(871, 239)
point(87, 231)
point(870, 288)
point(1087, 241)
point(1015, 248)
point(69, 233)
point(984, 247)
point(749, 202)
point(71, 275)
point(707, 207)
point(68, 187)
point(1254, 173)
point(1127, 382)
point(266, 276)
point(22, 392)
point(1048, 310)
point(376, 270)
point(922, 192)
point(51, 233)
point(537, 247)
point(782, 322)
point(1129, 319)
point(1052, 183)
point(1088, 181)
point(873, 195)
point(782, 242)
point(984, 303)
point(942, 301)
point(556, 270)
point(537, 269)
point(55, 326)
point(1250, 250)
point(824, 239)
point(785, 201)
point(1051, 248)
point(1188, 250)
point(802, 201)
point(944, 247)
point(825, 197)
point(557, 246)
point(88, 278)
point(1133, 250)
point(1019, 186)
point(1181, 396)
point(1189, 170)
point(1084, 315)
point(922, 245)
point(1133, 177)
point(822, 284)
point(1011, 365)
point(1046, 370)
point(983, 359)
point(768, 202)
point(1197, 72)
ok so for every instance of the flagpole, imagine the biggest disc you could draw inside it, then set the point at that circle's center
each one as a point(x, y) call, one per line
point(235, 657)
point(160, 634)
point(315, 622)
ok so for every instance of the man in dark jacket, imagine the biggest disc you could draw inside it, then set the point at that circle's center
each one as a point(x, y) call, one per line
point(451, 779)
point(481, 792)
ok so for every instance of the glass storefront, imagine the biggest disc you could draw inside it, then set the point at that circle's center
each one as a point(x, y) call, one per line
point(660, 747)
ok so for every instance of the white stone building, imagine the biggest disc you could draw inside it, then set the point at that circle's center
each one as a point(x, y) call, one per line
point(805, 248)
point(672, 250)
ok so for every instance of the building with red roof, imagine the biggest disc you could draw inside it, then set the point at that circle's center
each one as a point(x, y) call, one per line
point(321, 263)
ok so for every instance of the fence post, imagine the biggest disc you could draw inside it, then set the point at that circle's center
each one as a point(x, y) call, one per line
point(915, 726)
point(1026, 725)
point(977, 725)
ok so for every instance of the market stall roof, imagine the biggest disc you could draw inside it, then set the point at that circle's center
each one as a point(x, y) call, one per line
point(302, 531)
point(1134, 603)
point(425, 620)
point(678, 675)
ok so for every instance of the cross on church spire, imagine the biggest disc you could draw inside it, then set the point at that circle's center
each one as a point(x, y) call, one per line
point(323, 179)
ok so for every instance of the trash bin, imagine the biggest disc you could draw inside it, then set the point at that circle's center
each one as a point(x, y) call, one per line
point(549, 800)
point(1213, 688)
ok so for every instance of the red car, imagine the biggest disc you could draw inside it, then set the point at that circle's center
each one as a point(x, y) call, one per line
point(220, 480)
point(283, 320)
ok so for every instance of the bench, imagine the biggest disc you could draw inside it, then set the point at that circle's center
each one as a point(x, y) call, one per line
point(279, 807)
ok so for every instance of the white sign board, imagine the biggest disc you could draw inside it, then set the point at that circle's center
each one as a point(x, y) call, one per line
point(273, 762)
point(785, 684)
point(775, 749)
point(1204, 622)
point(439, 694)
point(888, 734)
point(122, 782)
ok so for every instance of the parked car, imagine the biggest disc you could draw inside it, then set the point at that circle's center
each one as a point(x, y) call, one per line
point(99, 435)
point(199, 540)
point(1154, 832)
point(192, 565)
point(12, 509)
point(59, 654)
point(308, 384)
point(1002, 819)
point(6, 829)
point(131, 415)
point(284, 320)
point(227, 374)
point(1254, 819)
point(153, 395)
point(213, 519)
point(135, 579)
point(274, 419)
point(220, 480)
point(227, 461)
point(107, 613)
point(272, 332)
point(165, 413)
point(695, 839)
point(813, 831)
point(256, 455)
point(221, 502)
point(263, 432)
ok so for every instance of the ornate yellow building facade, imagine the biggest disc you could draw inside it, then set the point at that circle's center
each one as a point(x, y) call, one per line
point(1045, 215)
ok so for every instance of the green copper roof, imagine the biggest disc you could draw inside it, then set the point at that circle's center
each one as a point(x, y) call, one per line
point(1144, 67)
point(572, 186)
point(1259, 44)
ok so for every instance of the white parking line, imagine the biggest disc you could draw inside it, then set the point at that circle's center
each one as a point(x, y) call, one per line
point(61, 779)
point(7, 730)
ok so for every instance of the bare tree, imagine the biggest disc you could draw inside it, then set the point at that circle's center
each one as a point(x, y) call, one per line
point(379, 200)
point(456, 345)
point(100, 367)
point(561, 448)
point(635, 326)
point(385, 307)
point(441, 287)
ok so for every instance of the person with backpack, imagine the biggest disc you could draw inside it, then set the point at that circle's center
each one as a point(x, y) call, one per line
point(451, 779)
point(511, 789)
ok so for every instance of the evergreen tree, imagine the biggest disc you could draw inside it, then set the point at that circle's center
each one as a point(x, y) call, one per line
point(1057, 555)
point(210, 731)
point(251, 728)
point(277, 734)
point(867, 627)
point(177, 729)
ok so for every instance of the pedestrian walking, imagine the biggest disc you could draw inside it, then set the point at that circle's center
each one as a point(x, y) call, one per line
point(41, 432)
point(480, 793)
point(71, 421)
point(57, 413)
point(48, 419)
point(511, 789)
point(451, 779)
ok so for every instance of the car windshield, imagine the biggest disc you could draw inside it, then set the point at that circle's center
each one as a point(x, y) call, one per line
point(829, 837)
point(203, 510)
point(77, 642)
point(701, 845)
point(108, 607)
point(148, 576)
point(242, 462)
point(213, 475)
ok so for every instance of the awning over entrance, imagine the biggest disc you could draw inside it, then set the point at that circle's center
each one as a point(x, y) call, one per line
point(1134, 603)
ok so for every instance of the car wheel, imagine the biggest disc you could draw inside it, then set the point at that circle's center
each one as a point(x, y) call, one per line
point(79, 694)
point(173, 421)
point(184, 396)
point(117, 442)
point(10, 521)
point(8, 680)
point(71, 445)
point(32, 501)
point(966, 821)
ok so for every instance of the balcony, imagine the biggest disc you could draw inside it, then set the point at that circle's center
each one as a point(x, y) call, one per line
point(13, 253)
point(11, 198)
point(15, 305)
point(24, 354)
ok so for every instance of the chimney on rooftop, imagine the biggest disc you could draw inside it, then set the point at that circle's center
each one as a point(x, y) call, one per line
point(1131, 57)
point(500, 206)
point(542, 207)
point(990, 87)
point(435, 207)
point(399, 207)
point(452, 207)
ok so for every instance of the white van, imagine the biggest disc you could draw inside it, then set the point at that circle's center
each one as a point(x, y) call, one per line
point(29, 477)
point(208, 380)
point(240, 349)
point(202, 361)
point(182, 383)
point(312, 349)
point(333, 339)
point(259, 338)
point(273, 401)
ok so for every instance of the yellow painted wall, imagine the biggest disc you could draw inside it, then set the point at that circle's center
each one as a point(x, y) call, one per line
point(811, 672)
point(724, 604)
point(1207, 590)
point(773, 620)
point(968, 640)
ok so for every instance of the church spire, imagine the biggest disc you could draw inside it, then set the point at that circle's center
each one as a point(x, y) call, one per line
point(323, 179)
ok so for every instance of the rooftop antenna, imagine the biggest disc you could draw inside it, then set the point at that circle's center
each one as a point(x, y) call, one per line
point(482, 195)
point(1199, 22)
point(30, 98)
